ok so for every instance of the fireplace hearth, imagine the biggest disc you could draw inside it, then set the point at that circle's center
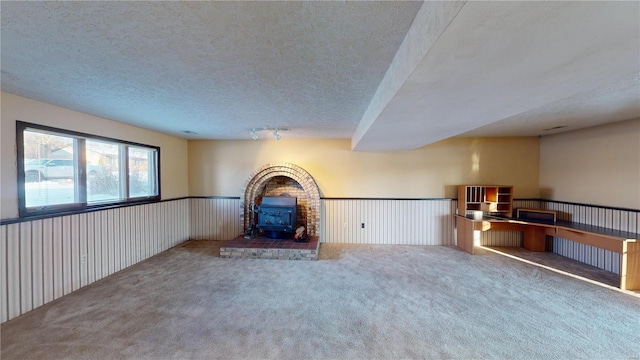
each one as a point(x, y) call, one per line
point(274, 249)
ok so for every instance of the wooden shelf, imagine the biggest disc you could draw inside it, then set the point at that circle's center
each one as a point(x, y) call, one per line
point(493, 199)
point(491, 194)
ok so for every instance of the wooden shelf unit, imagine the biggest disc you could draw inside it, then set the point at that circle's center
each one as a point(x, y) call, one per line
point(492, 199)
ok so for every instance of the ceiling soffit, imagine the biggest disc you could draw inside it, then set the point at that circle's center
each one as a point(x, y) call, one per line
point(497, 60)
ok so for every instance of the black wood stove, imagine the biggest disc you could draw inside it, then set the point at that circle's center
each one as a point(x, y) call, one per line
point(277, 216)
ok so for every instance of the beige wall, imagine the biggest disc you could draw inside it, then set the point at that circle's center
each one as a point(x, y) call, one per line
point(598, 165)
point(220, 168)
point(173, 150)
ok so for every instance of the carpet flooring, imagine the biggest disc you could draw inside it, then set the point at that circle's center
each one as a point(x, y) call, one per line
point(355, 302)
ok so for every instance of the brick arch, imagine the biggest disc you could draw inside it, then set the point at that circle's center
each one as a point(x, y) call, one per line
point(255, 184)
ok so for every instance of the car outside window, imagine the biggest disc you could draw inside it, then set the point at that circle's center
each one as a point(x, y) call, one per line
point(61, 170)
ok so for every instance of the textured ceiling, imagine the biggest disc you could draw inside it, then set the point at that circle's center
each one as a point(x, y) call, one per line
point(215, 68)
point(388, 75)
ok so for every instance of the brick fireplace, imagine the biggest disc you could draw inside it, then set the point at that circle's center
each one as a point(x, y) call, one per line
point(273, 180)
point(283, 179)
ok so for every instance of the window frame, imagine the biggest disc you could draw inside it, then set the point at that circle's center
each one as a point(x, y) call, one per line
point(79, 159)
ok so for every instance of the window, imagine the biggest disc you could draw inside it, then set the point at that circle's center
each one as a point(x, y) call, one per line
point(60, 170)
point(141, 179)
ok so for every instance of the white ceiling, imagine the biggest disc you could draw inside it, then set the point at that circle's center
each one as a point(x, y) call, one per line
point(388, 75)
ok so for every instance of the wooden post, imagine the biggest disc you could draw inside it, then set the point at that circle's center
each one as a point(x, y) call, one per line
point(630, 266)
point(534, 238)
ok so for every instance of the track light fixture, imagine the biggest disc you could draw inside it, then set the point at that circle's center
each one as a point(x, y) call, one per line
point(274, 131)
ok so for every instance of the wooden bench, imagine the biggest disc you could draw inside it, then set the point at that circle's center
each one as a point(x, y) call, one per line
point(535, 239)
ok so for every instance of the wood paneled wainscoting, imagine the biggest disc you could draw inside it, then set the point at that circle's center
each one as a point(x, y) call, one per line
point(214, 218)
point(388, 221)
point(42, 260)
